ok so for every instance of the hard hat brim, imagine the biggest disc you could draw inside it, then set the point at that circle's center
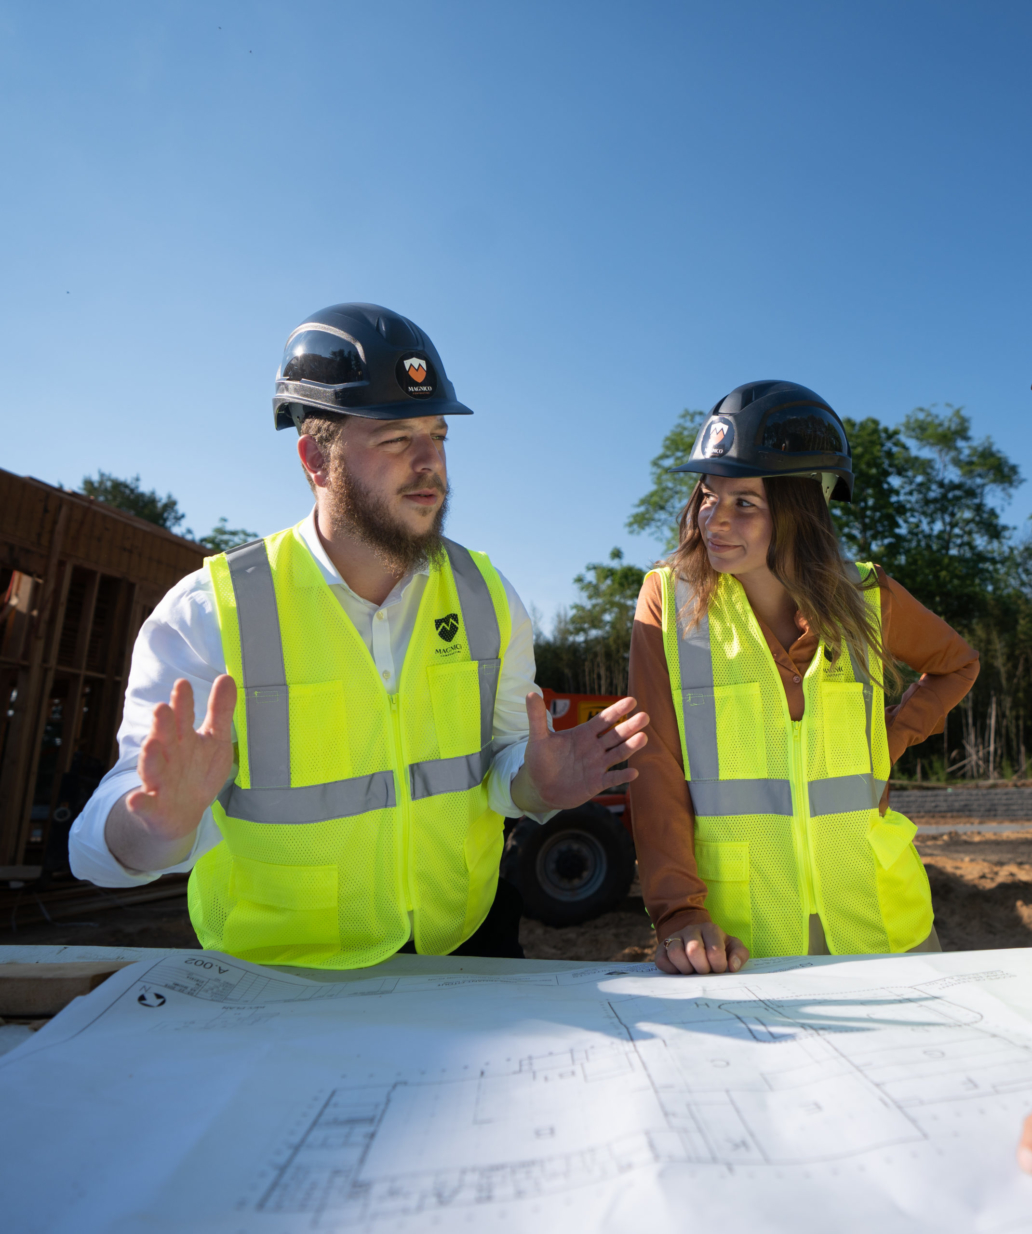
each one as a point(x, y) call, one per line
point(377, 411)
point(728, 467)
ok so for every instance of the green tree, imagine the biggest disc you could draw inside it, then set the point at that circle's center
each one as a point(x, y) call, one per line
point(222, 538)
point(162, 511)
point(871, 528)
point(129, 496)
point(657, 512)
point(588, 650)
point(928, 513)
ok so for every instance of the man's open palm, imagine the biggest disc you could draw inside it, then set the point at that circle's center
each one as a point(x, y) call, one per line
point(570, 767)
point(182, 769)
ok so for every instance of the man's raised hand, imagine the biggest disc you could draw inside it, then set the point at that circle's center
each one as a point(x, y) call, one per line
point(563, 770)
point(182, 769)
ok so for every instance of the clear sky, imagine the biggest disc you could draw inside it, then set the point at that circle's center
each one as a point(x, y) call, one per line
point(601, 213)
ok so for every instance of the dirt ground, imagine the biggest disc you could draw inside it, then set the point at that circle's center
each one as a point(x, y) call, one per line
point(981, 888)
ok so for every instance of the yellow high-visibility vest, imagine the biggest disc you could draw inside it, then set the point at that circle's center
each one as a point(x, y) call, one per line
point(352, 807)
point(786, 812)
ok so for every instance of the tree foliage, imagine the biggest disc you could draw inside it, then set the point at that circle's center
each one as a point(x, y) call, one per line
point(222, 538)
point(130, 496)
point(589, 646)
point(924, 508)
point(656, 514)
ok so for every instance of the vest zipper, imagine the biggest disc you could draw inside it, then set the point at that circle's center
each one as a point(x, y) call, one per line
point(801, 814)
point(404, 802)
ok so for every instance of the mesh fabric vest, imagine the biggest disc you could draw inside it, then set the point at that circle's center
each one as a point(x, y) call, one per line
point(352, 807)
point(786, 812)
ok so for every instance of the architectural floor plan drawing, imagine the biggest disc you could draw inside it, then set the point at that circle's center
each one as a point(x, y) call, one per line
point(196, 1092)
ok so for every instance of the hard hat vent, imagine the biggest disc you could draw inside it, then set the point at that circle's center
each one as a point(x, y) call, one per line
point(397, 332)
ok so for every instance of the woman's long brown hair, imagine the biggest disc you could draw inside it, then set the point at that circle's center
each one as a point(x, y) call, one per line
point(804, 556)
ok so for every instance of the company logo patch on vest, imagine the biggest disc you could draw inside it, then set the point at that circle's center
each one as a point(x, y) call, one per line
point(447, 627)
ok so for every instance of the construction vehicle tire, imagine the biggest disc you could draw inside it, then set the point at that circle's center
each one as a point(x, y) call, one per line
point(577, 866)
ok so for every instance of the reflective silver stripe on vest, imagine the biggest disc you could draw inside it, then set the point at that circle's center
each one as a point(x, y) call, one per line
point(710, 794)
point(842, 794)
point(726, 797)
point(697, 702)
point(449, 775)
point(318, 803)
point(266, 699)
point(483, 636)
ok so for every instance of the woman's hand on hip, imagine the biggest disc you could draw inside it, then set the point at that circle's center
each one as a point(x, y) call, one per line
point(701, 949)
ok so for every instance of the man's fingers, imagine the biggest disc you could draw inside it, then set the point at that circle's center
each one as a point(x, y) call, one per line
point(537, 717)
point(613, 779)
point(164, 726)
point(612, 714)
point(1025, 1147)
point(218, 721)
point(621, 753)
point(628, 728)
point(182, 702)
point(737, 953)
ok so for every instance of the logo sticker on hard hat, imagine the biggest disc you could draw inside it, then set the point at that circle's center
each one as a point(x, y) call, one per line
point(717, 438)
point(416, 375)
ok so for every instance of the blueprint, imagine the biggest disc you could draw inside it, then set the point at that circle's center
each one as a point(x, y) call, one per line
point(195, 1092)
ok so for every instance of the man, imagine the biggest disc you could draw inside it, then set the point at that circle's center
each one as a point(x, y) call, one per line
point(370, 709)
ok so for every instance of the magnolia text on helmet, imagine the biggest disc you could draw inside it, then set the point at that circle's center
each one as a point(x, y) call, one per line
point(717, 438)
point(416, 375)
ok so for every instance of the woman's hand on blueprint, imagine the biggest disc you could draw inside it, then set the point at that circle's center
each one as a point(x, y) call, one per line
point(701, 949)
point(1025, 1147)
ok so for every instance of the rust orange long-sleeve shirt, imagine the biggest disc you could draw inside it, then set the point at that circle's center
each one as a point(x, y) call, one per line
point(661, 804)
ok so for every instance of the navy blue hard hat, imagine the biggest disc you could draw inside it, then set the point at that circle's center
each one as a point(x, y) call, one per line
point(775, 428)
point(361, 360)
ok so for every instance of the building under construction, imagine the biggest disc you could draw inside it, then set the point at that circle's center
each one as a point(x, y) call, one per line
point(77, 579)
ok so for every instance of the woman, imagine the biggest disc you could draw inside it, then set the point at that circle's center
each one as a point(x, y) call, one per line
point(760, 811)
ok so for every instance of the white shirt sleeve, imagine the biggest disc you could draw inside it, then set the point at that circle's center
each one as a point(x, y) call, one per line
point(511, 730)
point(180, 638)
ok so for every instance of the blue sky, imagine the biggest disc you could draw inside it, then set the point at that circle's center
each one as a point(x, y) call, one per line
point(601, 213)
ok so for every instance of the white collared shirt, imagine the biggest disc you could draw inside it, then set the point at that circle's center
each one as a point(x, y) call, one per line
point(181, 638)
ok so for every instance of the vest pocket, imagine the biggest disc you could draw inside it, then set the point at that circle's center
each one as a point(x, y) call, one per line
point(845, 728)
point(741, 746)
point(890, 836)
point(724, 868)
point(319, 749)
point(280, 906)
point(455, 697)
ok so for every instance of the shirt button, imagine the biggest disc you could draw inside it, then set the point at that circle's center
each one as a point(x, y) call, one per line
point(387, 675)
point(380, 615)
point(797, 680)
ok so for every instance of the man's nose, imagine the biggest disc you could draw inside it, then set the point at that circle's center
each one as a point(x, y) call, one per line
point(426, 456)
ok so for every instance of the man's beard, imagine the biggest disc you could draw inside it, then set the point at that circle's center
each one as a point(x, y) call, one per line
point(354, 510)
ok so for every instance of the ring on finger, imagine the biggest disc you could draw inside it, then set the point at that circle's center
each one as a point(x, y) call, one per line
point(674, 938)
